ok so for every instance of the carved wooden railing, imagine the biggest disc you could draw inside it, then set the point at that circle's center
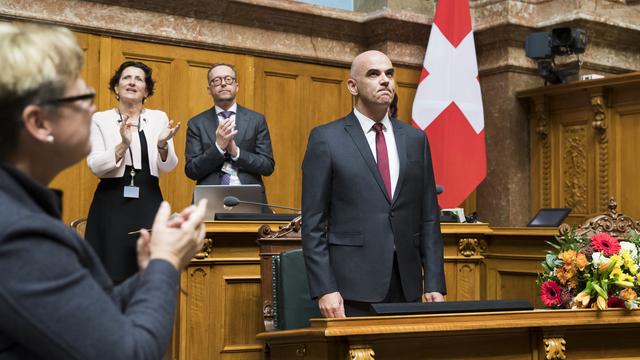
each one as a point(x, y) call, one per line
point(611, 222)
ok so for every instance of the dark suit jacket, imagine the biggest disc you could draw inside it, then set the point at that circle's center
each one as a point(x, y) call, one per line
point(350, 227)
point(56, 299)
point(204, 161)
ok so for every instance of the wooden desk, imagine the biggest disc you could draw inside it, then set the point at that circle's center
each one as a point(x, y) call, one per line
point(538, 334)
point(221, 307)
point(481, 263)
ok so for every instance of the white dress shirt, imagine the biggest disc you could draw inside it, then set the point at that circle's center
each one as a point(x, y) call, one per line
point(228, 167)
point(392, 150)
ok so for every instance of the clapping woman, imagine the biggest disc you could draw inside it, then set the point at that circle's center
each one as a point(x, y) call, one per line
point(130, 146)
point(56, 300)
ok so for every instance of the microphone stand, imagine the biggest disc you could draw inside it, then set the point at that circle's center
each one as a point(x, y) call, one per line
point(261, 204)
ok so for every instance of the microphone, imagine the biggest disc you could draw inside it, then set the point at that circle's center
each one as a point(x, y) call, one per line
point(439, 189)
point(231, 201)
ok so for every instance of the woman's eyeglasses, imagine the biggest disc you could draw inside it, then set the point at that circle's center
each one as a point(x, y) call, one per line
point(70, 99)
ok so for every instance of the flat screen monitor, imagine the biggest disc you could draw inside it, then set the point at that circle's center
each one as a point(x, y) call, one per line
point(549, 217)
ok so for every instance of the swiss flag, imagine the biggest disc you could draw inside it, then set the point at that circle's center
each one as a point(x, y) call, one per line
point(448, 104)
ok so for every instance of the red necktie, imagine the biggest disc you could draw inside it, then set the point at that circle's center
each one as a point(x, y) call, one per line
point(382, 157)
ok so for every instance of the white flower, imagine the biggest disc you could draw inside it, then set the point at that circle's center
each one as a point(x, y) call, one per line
point(631, 304)
point(631, 248)
point(597, 258)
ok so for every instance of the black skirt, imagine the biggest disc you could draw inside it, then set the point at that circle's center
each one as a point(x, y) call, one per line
point(112, 216)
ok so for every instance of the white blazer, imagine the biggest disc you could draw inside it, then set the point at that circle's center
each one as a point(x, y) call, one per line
point(105, 136)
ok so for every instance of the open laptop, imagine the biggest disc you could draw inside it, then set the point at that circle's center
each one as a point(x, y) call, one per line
point(216, 194)
point(549, 217)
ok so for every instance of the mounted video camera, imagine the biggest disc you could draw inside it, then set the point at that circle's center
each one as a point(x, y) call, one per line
point(543, 47)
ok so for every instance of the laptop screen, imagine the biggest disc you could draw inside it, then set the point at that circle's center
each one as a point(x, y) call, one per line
point(549, 217)
point(216, 194)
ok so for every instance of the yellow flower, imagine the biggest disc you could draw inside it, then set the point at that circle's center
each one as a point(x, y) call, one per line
point(628, 261)
point(617, 259)
point(615, 273)
point(626, 277)
point(624, 284)
point(628, 294)
point(601, 303)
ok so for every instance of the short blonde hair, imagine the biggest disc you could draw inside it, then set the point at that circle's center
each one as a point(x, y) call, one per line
point(36, 63)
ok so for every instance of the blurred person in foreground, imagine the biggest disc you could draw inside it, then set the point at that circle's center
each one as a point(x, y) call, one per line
point(130, 146)
point(56, 299)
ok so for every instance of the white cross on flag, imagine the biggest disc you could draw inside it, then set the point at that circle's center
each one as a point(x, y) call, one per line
point(448, 104)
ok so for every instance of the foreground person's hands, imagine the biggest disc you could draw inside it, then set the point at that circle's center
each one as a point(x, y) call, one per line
point(143, 246)
point(178, 239)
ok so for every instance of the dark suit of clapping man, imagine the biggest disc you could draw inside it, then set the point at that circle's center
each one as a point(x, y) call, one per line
point(227, 144)
point(370, 222)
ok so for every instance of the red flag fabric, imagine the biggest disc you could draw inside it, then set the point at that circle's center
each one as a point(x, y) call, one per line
point(448, 104)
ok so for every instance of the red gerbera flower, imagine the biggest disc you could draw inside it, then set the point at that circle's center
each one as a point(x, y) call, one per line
point(551, 293)
point(605, 243)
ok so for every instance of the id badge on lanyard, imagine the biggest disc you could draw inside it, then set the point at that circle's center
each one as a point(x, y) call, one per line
point(131, 191)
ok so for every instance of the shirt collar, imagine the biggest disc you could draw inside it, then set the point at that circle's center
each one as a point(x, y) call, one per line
point(366, 123)
point(233, 108)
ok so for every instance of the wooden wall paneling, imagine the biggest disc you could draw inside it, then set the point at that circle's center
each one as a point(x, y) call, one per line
point(591, 130)
point(78, 181)
point(512, 262)
point(406, 86)
point(280, 99)
point(600, 123)
point(577, 164)
point(464, 247)
point(450, 280)
point(235, 322)
point(294, 98)
point(513, 277)
point(627, 166)
point(539, 135)
point(220, 307)
point(326, 98)
point(196, 295)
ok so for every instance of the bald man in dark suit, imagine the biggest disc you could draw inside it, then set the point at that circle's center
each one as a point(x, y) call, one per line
point(370, 217)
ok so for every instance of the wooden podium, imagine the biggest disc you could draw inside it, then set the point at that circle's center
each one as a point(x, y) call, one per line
point(537, 335)
point(224, 292)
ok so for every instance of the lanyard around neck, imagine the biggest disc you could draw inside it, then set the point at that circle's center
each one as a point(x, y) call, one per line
point(121, 120)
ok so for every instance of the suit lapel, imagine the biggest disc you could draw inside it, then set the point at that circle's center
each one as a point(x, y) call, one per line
point(353, 128)
point(241, 123)
point(401, 145)
point(211, 125)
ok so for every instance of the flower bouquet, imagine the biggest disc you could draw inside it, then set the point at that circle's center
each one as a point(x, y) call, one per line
point(591, 271)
